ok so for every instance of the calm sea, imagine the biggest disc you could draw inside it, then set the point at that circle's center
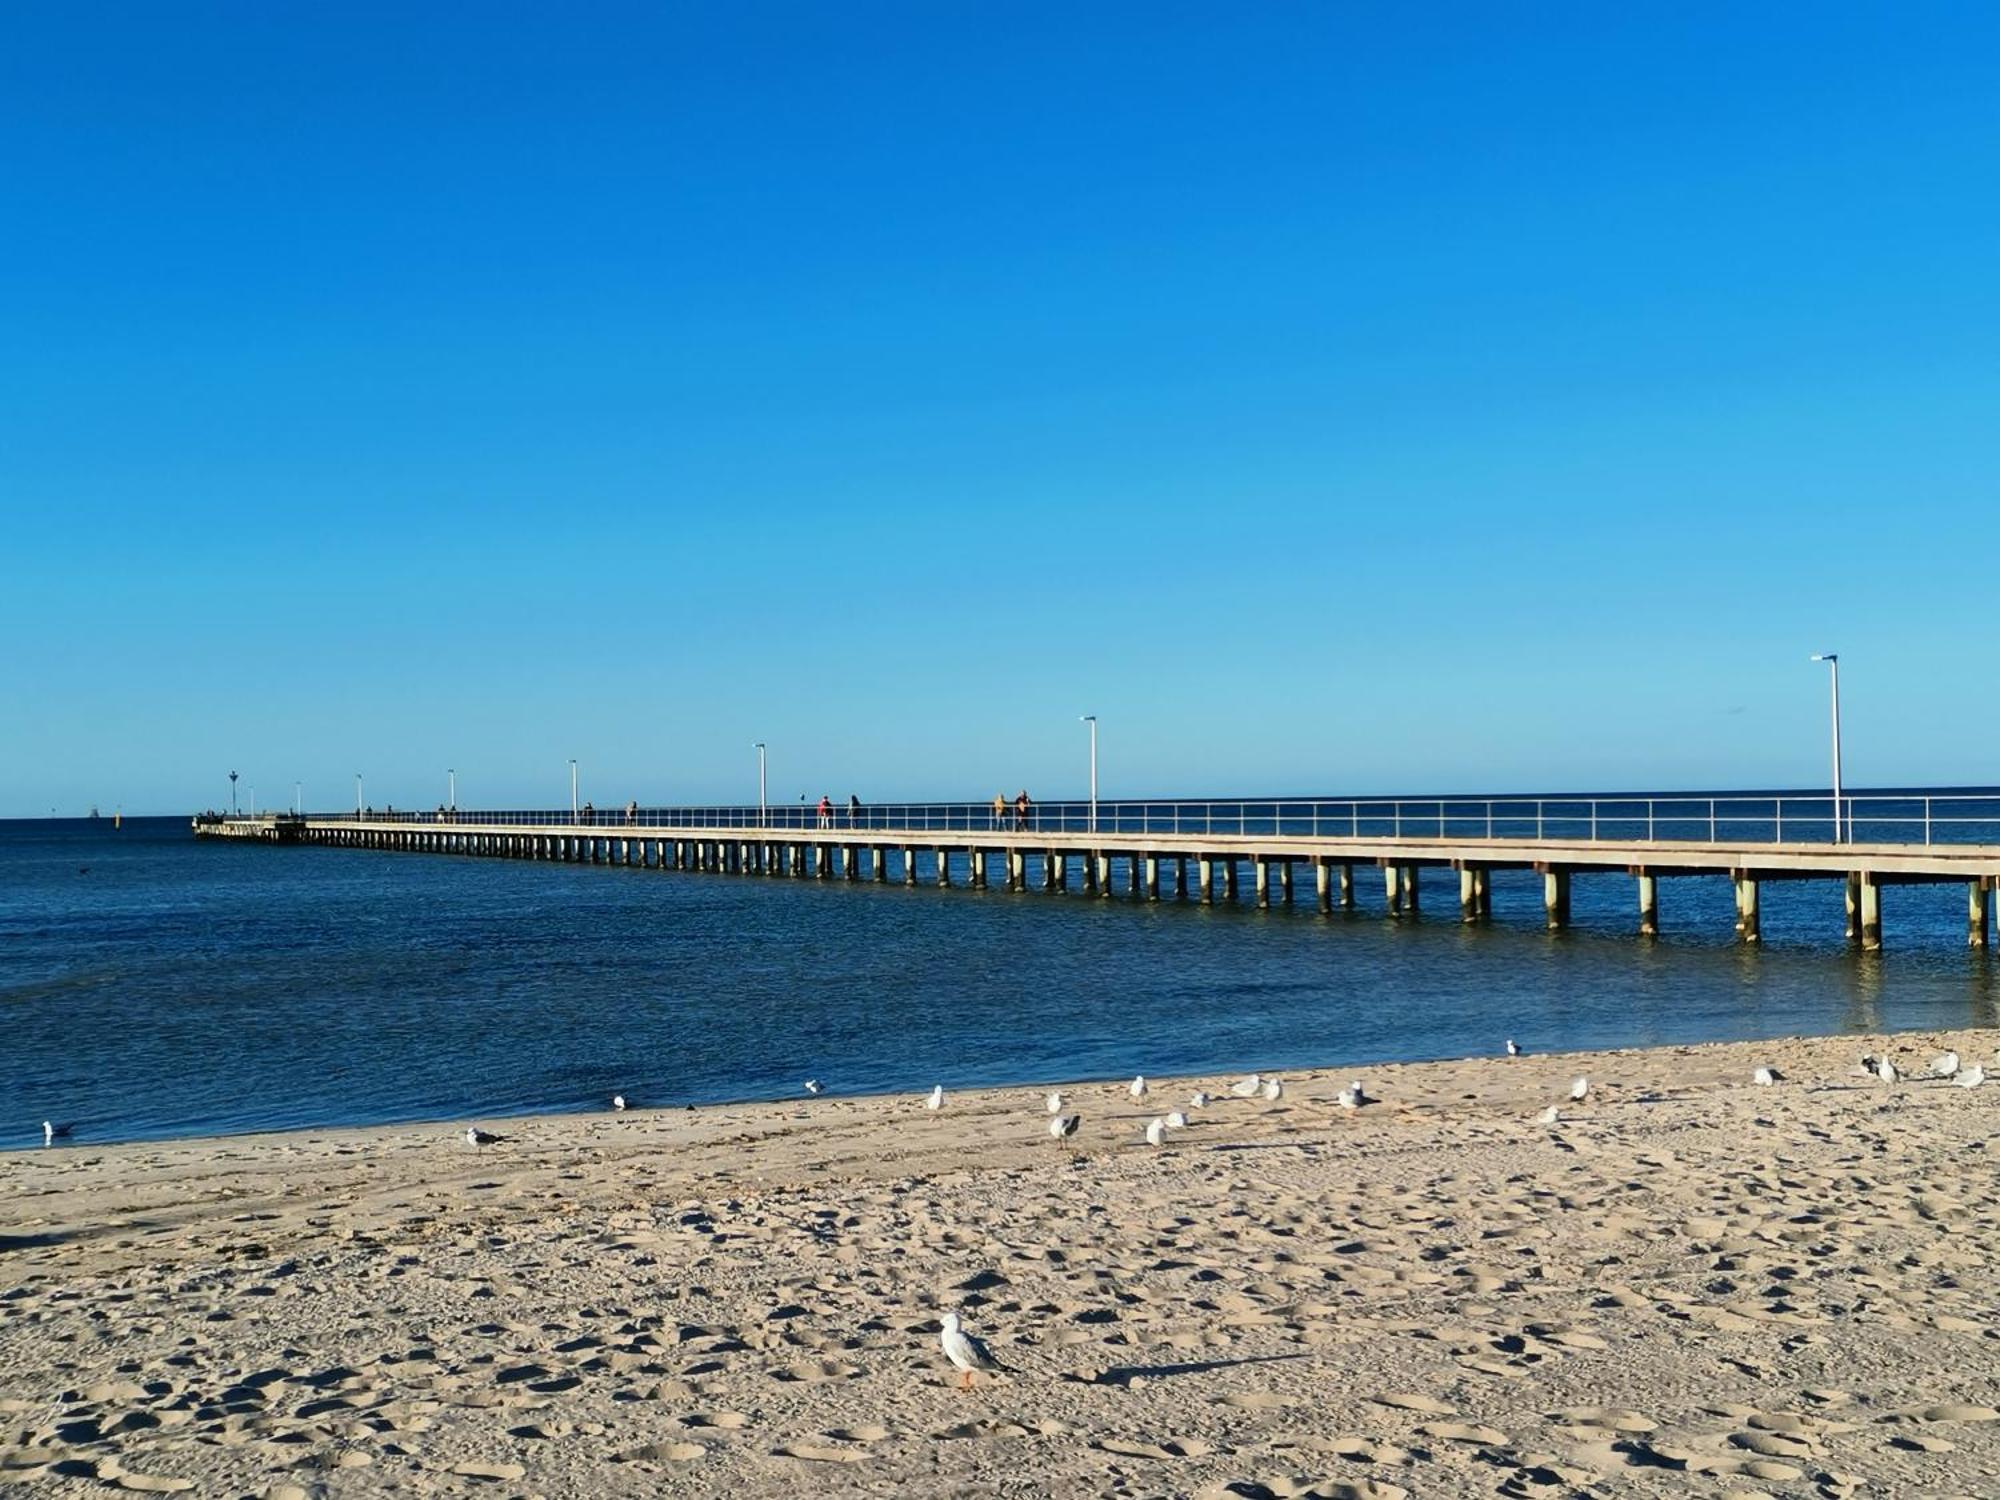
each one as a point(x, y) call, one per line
point(153, 986)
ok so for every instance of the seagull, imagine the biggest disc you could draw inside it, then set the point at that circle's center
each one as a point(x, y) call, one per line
point(936, 1100)
point(1353, 1096)
point(1054, 1102)
point(1246, 1088)
point(1176, 1121)
point(1766, 1076)
point(617, 1101)
point(1138, 1088)
point(1550, 1116)
point(1579, 1088)
point(52, 1132)
point(1886, 1070)
point(1156, 1131)
point(1274, 1088)
point(965, 1351)
point(474, 1136)
point(1970, 1078)
point(1062, 1127)
point(1199, 1099)
point(1946, 1065)
point(1513, 1047)
point(813, 1085)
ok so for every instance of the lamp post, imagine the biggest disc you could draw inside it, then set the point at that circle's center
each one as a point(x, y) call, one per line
point(572, 789)
point(298, 798)
point(1091, 720)
point(232, 794)
point(357, 794)
point(451, 789)
point(1832, 660)
point(763, 817)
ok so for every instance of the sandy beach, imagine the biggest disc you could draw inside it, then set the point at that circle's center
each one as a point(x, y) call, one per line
point(1690, 1285)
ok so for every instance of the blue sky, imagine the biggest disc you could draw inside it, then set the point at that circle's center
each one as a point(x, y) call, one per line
point(1332, 397)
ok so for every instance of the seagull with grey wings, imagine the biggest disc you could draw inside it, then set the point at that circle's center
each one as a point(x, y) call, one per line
point(969, 1355)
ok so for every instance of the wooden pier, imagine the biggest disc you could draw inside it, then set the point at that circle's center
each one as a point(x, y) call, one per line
point(1152, 863)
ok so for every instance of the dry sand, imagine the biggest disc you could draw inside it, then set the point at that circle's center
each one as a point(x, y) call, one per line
point(1689, 1286)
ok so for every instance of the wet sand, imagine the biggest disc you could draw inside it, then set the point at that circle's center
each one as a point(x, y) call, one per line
point(1690, 1284)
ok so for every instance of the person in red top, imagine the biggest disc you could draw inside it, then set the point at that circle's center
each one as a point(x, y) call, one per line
point(825, 811)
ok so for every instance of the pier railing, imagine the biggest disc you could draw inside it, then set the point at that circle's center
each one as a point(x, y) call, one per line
point(1867, 818)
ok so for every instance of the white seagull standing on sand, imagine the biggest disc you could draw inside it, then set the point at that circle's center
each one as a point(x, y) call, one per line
point(1064, 1126)
point(1513, 1047)
point(1246, 1088)
point(1550, 1116)
point(1177, 1121)
point(1886, 1070)
point(617, 1101)
point(1054, 1102)
point(1274, 1088)
point(813, 1085)
point(936, 1100)
point(1946, 1065)
point(1199, 1099)
point(1765, 1077)
point(474, 1136)
point(1156, 1131)
point(1970, 1078)
point(1579, 1089)
point(1353, 1096)
point(965, 1351)
point(1138, 1087)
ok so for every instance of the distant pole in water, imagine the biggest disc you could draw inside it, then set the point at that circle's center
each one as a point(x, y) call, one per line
point(1832, 659)
point(1091, 720)
point(232, 794)
point(763, 815)
point(572, 789)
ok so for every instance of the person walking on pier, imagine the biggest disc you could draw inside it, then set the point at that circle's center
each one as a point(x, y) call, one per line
point(1024, 812)
point(853, 811)
point(825, 811)
point(999, 811)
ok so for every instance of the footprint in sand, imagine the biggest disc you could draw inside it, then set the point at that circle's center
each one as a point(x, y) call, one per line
point(1409, 1401)
point(663, 1453)
point(1171, 1449)
point(726, 1420)
point(1254, 1400)
point(1464, 1432)
point(813, 1453)
point(868, 1434)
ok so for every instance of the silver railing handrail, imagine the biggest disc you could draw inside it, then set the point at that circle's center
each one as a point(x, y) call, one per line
point(1916, 818)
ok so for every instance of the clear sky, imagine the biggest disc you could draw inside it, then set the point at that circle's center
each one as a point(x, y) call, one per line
point(1332, 397)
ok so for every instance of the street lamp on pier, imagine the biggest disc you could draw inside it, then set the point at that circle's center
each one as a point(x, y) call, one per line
point(1091, 720)
point(1832, 660)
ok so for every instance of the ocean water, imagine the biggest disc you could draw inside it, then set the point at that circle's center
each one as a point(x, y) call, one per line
point(154, 986)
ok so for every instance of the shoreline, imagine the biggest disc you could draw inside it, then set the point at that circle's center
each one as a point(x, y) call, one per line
point(523, 1117)
point(1430, 1295)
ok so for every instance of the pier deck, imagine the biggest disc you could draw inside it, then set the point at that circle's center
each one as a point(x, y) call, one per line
point(1148, 855)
